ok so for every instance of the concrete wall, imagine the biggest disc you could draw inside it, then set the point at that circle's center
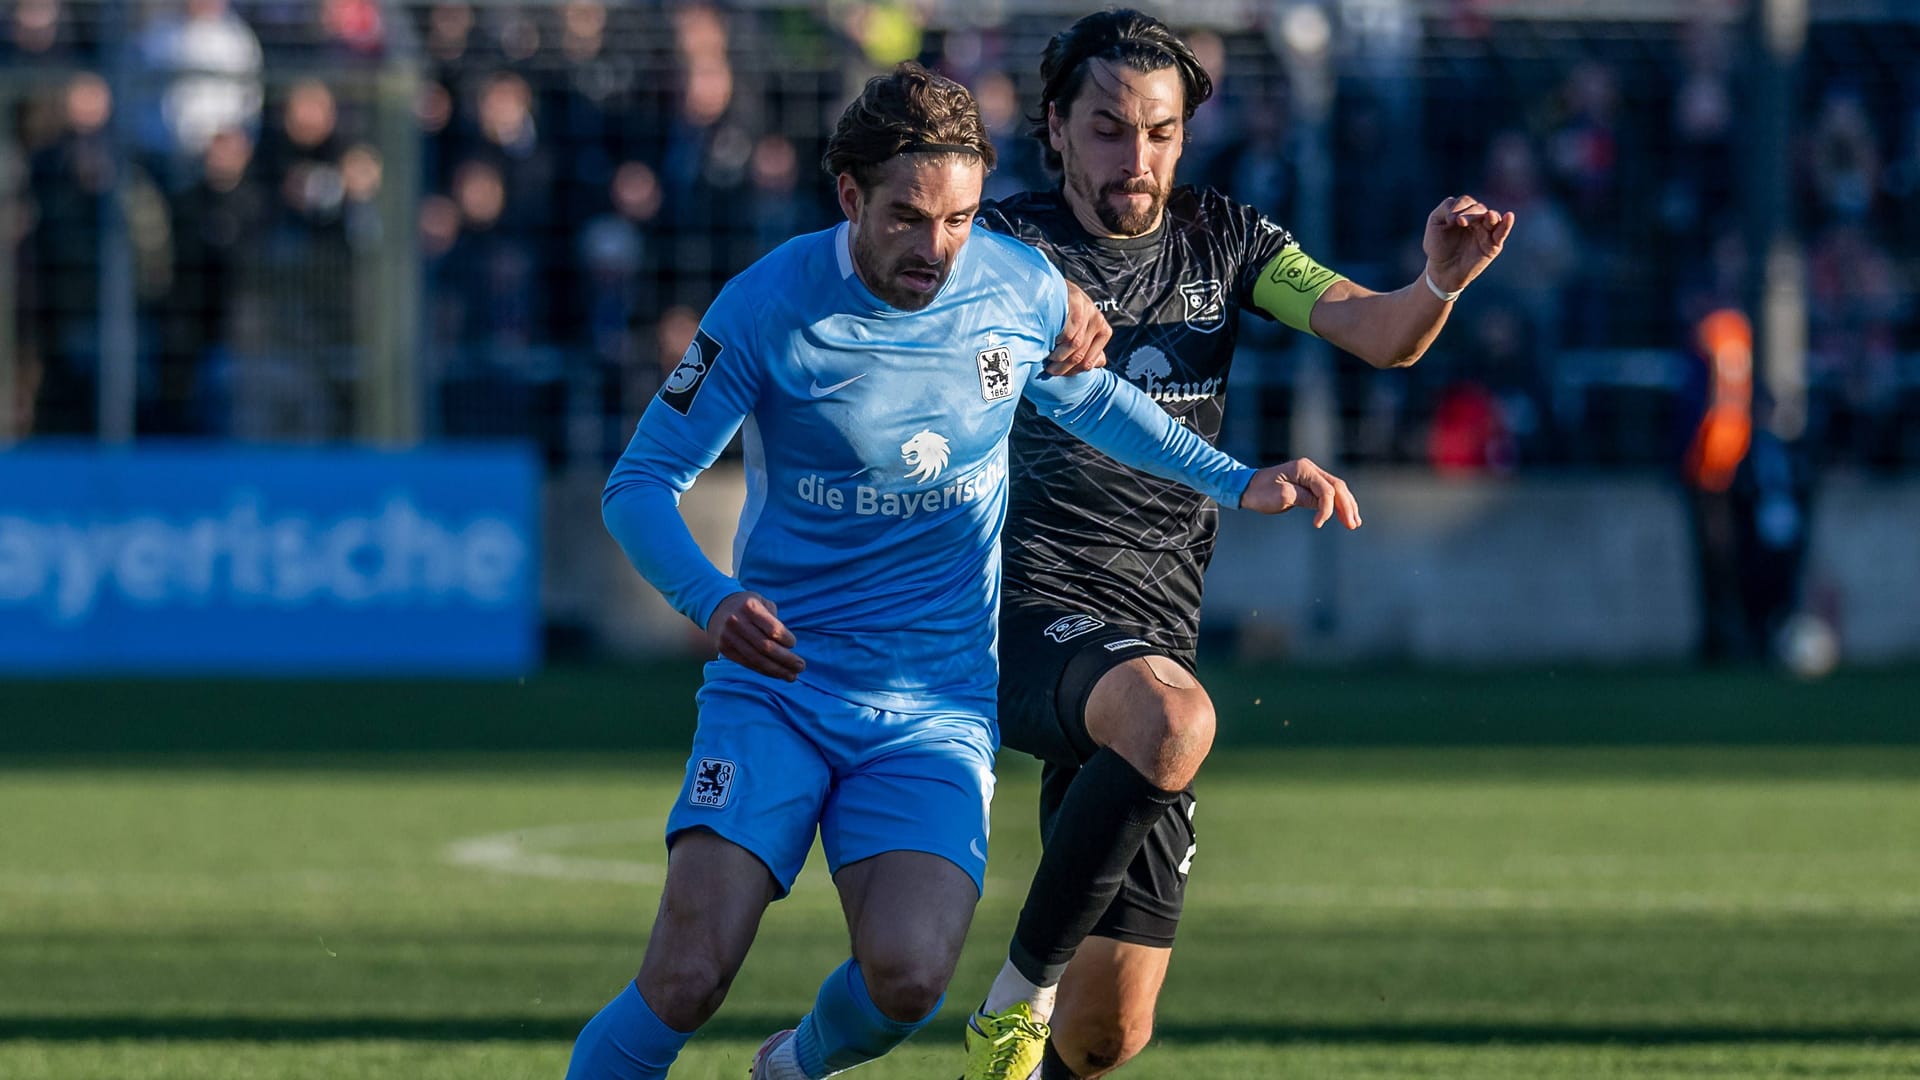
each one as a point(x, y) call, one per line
point(1464, 571)
point(1537, 570)
point(589, 584)
point(1864, 565)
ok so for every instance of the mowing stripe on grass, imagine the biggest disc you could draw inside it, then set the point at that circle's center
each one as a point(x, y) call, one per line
point(1638, 901)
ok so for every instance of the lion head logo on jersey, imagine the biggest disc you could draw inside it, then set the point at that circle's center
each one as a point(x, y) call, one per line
point(925, 454)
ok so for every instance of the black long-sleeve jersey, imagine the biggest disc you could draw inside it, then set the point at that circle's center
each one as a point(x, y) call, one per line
point(1083, 529)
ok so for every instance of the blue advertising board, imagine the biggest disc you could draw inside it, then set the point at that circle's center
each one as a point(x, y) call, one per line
point(250, 560)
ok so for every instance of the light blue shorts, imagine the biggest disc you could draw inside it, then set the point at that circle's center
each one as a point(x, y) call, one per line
point(773, 761)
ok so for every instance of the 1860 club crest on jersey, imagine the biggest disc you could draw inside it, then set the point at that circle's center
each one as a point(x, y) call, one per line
point(1206, 307)
point(996, 373)
point(712, 783)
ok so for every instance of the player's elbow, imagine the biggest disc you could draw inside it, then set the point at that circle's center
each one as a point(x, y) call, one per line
point(611, 496)
point(621, 498)
point(1402, 352)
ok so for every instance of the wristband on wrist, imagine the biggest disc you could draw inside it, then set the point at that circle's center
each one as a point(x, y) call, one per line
point(1444, 296)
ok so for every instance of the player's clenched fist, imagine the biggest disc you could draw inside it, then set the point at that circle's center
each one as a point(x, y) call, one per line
point(1083, 343)
point(746, 629)
point(1277, 489)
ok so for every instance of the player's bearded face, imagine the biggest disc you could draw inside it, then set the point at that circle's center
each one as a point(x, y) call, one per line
point(911, 225)
point(1118, 146)
point(1119, 204)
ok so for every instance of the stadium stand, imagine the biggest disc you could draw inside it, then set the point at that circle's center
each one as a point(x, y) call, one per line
point(335, 219)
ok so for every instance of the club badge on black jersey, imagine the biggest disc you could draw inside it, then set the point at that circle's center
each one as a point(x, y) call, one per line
point(1206, 306)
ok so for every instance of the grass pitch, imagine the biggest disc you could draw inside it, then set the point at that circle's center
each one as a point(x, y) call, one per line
point(1471, 912)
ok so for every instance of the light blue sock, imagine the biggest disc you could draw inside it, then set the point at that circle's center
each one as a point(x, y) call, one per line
point(846, 1028)
point(625, 1041)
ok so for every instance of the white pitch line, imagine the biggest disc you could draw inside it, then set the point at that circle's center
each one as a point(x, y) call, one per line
point(539, 852)
point(536, 852)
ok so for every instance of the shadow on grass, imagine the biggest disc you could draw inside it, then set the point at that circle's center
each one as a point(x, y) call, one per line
point(751, 1027)
point(590, 708)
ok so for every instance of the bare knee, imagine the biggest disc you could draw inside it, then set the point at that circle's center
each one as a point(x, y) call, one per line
point(905, 987)
point(1185, 737)
point(1157, 716)
point(1094, 1048)
point(684, 990)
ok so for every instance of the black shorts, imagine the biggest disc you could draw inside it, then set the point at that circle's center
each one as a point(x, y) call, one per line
point(1050, 659)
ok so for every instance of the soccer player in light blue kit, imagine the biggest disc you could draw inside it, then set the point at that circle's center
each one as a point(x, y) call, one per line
point(875, 367)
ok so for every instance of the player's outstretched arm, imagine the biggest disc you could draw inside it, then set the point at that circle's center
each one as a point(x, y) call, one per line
point(1114, 417)
point(1300, 484)
point(1463, 237)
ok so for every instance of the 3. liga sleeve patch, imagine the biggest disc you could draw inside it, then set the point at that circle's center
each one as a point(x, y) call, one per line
point(686, 379)
point(712, 783)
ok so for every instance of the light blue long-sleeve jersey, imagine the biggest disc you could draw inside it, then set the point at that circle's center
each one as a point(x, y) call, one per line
point(876, 460)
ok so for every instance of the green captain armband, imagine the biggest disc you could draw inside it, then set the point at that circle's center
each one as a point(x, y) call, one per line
point(1289, 286)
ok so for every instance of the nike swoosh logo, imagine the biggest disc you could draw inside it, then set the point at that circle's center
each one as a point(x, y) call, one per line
point(822, 391)
point(973, 845)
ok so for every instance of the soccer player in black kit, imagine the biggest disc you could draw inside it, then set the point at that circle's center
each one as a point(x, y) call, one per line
point(1103, 564)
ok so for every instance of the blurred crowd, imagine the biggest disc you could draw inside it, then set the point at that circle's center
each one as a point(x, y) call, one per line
point(236, 205)
point(589, 173)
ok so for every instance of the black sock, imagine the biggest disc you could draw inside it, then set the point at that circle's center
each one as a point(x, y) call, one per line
point(1052, 1067)
point(1105, 818)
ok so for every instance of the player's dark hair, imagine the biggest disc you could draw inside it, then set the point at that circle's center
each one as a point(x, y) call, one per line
point(910, 110)
point(1121, 36)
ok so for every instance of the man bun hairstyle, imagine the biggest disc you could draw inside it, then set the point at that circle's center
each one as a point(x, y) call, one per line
point(1121, 36)
point(909, 110)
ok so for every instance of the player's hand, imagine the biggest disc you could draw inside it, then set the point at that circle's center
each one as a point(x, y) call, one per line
point(746, 629)
point(1277, 489)
point(1083, 344)
point(1463, 236)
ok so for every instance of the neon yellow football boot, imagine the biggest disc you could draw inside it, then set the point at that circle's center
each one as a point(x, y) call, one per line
point(1006, 1045)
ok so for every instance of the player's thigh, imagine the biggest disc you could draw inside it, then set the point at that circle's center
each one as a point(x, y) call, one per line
point(715, 894)
point(1051, 658)
point(1110, 989)
point(928, 790)
point(753, 778)
point(907, 911)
